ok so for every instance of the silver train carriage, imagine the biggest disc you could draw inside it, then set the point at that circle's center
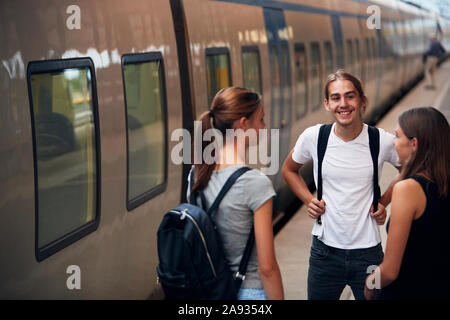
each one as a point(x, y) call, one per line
point(92, 92)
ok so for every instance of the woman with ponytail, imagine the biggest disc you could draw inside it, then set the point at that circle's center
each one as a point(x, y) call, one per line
point(249, 201)
point(416, 264)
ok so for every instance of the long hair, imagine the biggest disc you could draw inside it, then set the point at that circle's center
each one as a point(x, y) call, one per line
point(342, 75)
point(432, 157)
point(229, 104)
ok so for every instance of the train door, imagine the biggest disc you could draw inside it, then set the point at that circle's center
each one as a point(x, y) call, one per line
point(280, 74)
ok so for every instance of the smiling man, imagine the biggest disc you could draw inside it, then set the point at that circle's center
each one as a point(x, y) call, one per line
point(346, 238)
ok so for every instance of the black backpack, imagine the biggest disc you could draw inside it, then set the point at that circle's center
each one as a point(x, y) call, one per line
point(374, 145)
point(192, 262)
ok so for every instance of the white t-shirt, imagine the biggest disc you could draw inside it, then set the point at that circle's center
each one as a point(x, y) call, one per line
point(347, 184)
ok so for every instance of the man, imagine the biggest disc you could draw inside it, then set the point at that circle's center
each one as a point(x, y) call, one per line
point(435, 50)
point(347, 241)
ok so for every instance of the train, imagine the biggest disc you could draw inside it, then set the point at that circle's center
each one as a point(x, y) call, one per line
point(91, 92)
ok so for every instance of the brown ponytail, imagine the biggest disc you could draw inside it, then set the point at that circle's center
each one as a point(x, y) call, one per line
point(229, 104)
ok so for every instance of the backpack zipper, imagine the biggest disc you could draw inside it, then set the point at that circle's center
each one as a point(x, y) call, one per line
point(185, 214)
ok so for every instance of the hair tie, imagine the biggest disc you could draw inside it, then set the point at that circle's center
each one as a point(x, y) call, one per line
point(211, 113)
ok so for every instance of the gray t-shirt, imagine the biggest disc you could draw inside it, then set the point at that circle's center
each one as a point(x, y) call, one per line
point(234, 218)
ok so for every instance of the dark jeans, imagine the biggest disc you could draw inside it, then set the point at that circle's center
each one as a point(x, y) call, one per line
point(331, 269)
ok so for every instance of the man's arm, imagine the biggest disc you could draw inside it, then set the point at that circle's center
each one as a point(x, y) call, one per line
point(298, 186)
point(290, 171)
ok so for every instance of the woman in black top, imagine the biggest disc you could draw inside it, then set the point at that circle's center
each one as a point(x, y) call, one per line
point(416, 263)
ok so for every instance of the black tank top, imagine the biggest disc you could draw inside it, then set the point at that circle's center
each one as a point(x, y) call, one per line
point(425, 269)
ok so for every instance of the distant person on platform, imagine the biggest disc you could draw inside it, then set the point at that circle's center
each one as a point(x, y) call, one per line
point(431, 58)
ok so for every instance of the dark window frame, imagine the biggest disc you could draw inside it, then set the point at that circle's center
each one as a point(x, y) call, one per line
point(300, 46)
point(316, 105)
point(49, 66)
point(369, 59)
point(247, 49)
point(137, 58)
point(349, 46)
point(358, 58)
point(286, 108)
point(214, 52)
point(333, 56)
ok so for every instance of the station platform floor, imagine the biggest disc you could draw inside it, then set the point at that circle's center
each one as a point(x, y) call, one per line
point(293, 242)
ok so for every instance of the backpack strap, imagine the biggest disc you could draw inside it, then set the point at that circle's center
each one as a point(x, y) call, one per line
point(374, 144)
point(324, 134)
point(240, 275)
point(228, 184)
point(191, 179)
point(193, 196)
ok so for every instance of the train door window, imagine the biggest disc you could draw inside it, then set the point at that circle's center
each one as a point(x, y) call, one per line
point(375, 56)
point(251, 70)
point(375, 52)
point(276, 86)
point(395, 45)
point(316, 75)
point(350, 56)
point(146, 119)
point(301, 96)
point(329, 64)
point(357, 59)
point(368, 59)
point(385, 54)
point(66, 149)
point(285, 113)
point(218, 71)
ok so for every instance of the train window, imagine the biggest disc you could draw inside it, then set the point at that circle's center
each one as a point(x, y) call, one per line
point(301, 97)
point(375, 56)
point(251, 70)
point(358, 59)
point(63, 105)
point(218, 71)
point(350, 56)
point(276, 86)
point(316, 75)
point(145, 100)
point(369, 59)
point(285, 106)
point(329, 64)
point(375, 52)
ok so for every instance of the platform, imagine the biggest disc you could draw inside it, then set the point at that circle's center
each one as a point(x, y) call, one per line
point(293, 242)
